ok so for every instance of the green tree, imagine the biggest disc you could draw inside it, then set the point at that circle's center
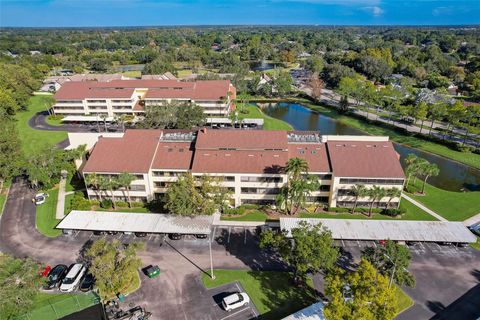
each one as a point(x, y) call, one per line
point(428, 170)
point(190, 116)
point(376, 193)
point(114, 266)
point(392, 260)
point(10, 151)
point(188, 197)
point(420, 113)
point(359, 191)
point(283, 83)
point(309, 249)
point(8, 105)
point(293, 195)
point(392, 193)
point(159, 66)
point(362, 294)
point(124, 181)
point(19, 285)
point(92, 180)
point(111, 183)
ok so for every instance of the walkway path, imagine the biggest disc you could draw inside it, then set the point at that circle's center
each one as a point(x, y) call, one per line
point(421, 206)
point(472, 220)
point(60, 212)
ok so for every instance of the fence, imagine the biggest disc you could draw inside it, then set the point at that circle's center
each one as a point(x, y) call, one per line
point(61, 305)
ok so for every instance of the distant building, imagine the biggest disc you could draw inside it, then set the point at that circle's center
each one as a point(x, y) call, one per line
point(249, 163)
point(54, 83)
point(129, 97)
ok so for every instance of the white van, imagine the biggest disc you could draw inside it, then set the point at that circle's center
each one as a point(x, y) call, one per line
point(73, 277)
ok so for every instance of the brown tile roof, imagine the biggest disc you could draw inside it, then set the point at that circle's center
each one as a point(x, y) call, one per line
point(173, 155)
point(364, 159)
point(133, 153)
point(235, 161)
point(91, 89)
point(210, 90)
point(241, 139)
point(315, 154)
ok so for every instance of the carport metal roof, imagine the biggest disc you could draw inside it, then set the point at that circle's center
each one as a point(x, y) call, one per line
point(351, 229)
point(85, 119)
point(135, 222)
point(313, 312)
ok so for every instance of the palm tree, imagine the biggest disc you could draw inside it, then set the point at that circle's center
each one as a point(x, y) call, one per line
point(295, 167)
point(104, 117)
point(409, 162)
point(376, 193)
point(428, 170)
point(359, 191)
point(102, 185)
point(112, 185)
point(125, 180)
point(93, 180)
point(393, 193)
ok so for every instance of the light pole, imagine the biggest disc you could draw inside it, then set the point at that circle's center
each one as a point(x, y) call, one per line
point(211, 256)
point(394, 269)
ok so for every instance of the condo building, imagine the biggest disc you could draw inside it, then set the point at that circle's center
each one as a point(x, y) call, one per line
point(130, 97)
point(249, 163)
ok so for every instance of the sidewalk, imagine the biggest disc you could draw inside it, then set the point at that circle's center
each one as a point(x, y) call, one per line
point(472, 220)
point(421, 206)
point(60, 212)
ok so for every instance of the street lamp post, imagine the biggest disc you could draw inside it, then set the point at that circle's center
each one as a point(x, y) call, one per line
point(211, 256)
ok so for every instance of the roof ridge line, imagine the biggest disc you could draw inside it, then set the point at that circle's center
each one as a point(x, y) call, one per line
point(155, 153)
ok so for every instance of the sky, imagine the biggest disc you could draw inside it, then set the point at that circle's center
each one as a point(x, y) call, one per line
point(86, 13)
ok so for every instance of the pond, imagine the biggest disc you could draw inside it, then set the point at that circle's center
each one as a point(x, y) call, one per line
point(263, 65)
point(453, 176)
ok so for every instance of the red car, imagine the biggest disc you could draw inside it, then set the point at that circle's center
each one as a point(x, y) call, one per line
point(46, 271)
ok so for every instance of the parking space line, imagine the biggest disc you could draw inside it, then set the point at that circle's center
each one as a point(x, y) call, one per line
point(229, 229)
point(231, 315)
point(236, 284)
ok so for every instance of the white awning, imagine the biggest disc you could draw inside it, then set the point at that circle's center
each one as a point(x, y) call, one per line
point(219, 120)
point(313, 312)
point(85, 119)
point(356, 229)
point(135, 222)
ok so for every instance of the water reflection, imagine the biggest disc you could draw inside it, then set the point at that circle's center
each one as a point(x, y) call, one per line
point(453, 175)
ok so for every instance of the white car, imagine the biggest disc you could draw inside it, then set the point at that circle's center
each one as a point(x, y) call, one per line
point(73, 278)
point(235, 301)
point(40, 198)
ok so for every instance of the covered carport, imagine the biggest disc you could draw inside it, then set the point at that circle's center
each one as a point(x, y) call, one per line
point(139, 222)
point(397, 230)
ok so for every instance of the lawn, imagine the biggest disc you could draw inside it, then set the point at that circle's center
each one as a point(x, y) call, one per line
point(273, 293)
point(269, 122)
point(454, 206)
point(54, 120)
point(413, 213)
point(470, 159)
point(403, 299)
point(3, 199)
point(54, 306)
point(122, 209)
point(132, 74)
point(45, 218)
point(33, 141)
point(476, 245)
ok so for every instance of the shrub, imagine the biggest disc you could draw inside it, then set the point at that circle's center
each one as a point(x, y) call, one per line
point(78, 202)
point(393, 212)
point(106, 204)
point(464, 148)
point(137, 204)
point(121, 204)
point(95, 202)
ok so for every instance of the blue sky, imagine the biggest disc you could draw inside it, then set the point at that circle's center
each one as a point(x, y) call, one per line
point(81, 13)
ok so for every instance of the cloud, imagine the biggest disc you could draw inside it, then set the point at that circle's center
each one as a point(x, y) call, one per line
point(376, 11)
point(440, 11)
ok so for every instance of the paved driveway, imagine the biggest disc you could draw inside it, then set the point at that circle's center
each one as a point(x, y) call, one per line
point(447, 278)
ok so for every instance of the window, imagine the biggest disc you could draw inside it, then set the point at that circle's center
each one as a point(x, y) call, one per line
point(324, 187)
point(261, 179)
point(137, 187)
point(371, 181)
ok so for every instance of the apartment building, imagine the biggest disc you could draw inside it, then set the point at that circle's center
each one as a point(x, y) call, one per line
point(249, 163)
point(130, 97)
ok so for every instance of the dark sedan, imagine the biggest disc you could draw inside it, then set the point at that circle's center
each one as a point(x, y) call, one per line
point(87, 283)
point(55, 276)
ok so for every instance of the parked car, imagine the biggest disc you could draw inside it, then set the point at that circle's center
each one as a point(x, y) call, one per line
point(235, 301)
point(40, 198)
point(55, 276)
point(98, 233)
point(112, 232)
point(87, 283)
point(475, 229)
point(462, 244)
point(175, 236)
point(73, 278)
point(140, 234)
point(201, 236)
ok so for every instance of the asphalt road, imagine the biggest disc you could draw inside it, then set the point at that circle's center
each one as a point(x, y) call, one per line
point(447, 278)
